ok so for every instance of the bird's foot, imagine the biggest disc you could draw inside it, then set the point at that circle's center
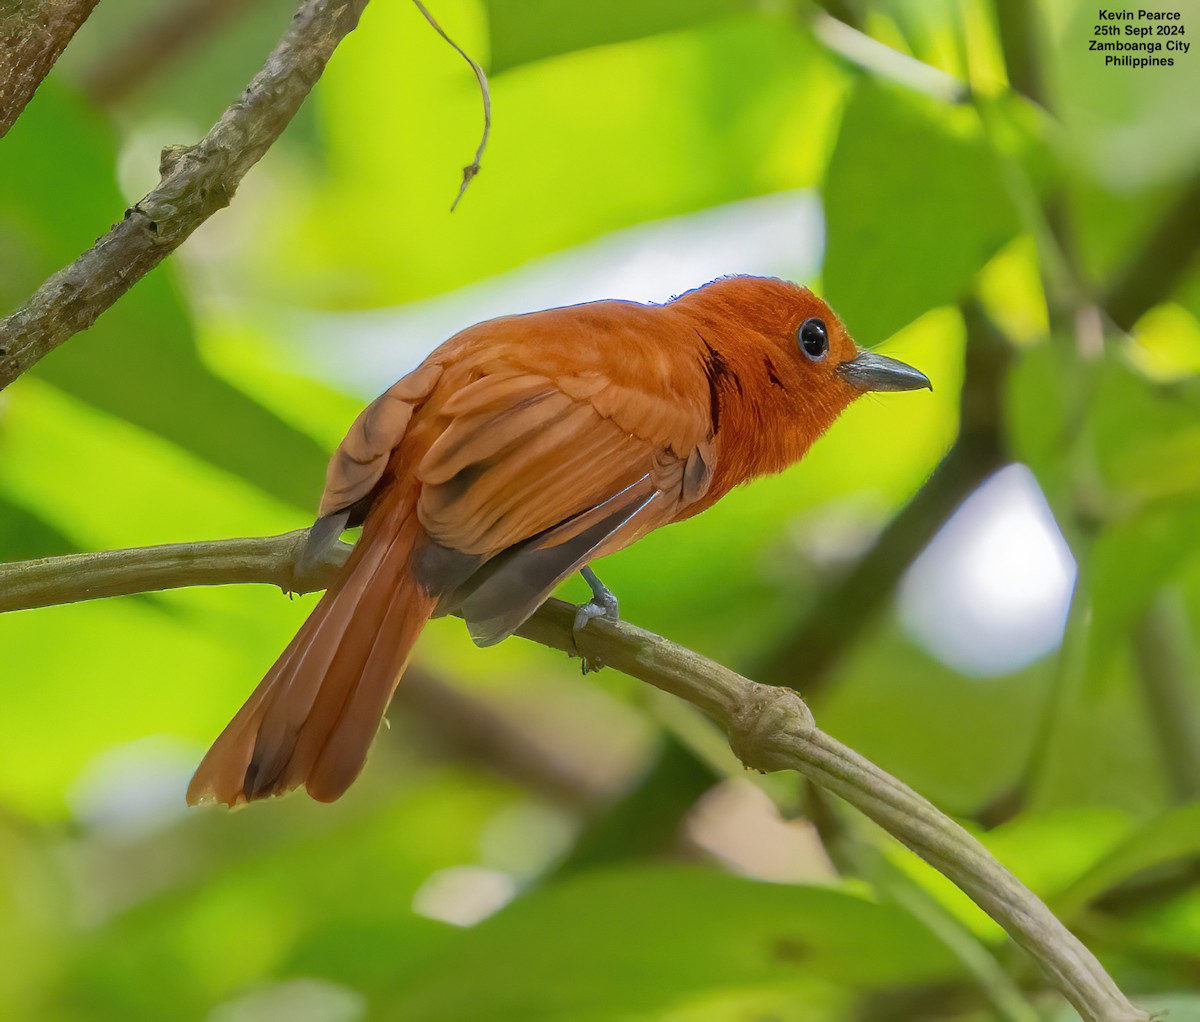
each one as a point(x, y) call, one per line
point(603, 604)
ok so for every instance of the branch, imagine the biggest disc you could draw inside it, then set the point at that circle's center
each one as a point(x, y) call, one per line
point(465, 726)
point(852, 856)
point(196, 182)
point(32, 37)
point(769, 728)
point(77, 577)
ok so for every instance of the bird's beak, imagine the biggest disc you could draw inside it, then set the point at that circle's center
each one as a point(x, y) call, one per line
point(868, 371)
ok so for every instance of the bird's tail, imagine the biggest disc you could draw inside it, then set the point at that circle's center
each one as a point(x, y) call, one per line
point(312, 718)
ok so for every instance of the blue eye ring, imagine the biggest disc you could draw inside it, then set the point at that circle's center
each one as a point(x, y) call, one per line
point(813, 339)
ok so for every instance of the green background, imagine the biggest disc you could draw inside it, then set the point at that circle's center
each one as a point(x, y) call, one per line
point(627, 868)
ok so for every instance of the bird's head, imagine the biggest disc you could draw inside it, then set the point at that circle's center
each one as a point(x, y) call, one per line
point(798, 332)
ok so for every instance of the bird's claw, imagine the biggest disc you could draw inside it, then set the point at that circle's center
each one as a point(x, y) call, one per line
point(583, 614)
point(603, 604)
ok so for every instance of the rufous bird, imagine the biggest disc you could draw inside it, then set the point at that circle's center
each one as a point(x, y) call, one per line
point(518, 452)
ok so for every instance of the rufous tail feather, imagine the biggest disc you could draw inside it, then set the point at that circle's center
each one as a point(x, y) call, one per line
point(312, 718)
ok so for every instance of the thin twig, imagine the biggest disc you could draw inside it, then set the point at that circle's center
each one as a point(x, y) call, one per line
point(473, 167)
point(196, 182)
point(769, 728)
point(32, 37)
point(888, 63)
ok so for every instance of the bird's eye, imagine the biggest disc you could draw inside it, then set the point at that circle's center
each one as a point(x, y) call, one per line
point(814, 339)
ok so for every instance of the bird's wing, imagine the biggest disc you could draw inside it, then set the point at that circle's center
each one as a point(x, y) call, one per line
point(362, 457)
point(532, 477)
point(359, 462)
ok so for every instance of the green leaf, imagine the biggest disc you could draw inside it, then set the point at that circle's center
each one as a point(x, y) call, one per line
point(1097, 431)
point(1130, 561)
point(1189, 293)
point(35, 914)
point(106, 484)
point(1170, 930)
point(24, 534)
point(139, 361)
point(1124, 127)
point(1140, 438)
point(1146, 436)
point(1161, 1008)
point(807, 1002)
point(1043, 387)
point(612, 137)
point(1144, 443)
point(1050, 851)
point(962, 757)
point(615, 944)
point(191, 89)
point(1166, 344)
point(255, 897)
point(521, 31)
point(931, 30)
point(1173, 836)
point(915, 206)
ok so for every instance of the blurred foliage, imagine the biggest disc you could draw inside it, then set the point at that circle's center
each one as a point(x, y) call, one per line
point(203, 403)
point(897, 246)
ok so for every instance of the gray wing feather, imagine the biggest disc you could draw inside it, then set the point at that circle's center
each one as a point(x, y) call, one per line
point(506, 591)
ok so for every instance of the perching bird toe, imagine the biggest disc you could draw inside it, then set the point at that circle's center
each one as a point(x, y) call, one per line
point(583, 614)
point(603, 604)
